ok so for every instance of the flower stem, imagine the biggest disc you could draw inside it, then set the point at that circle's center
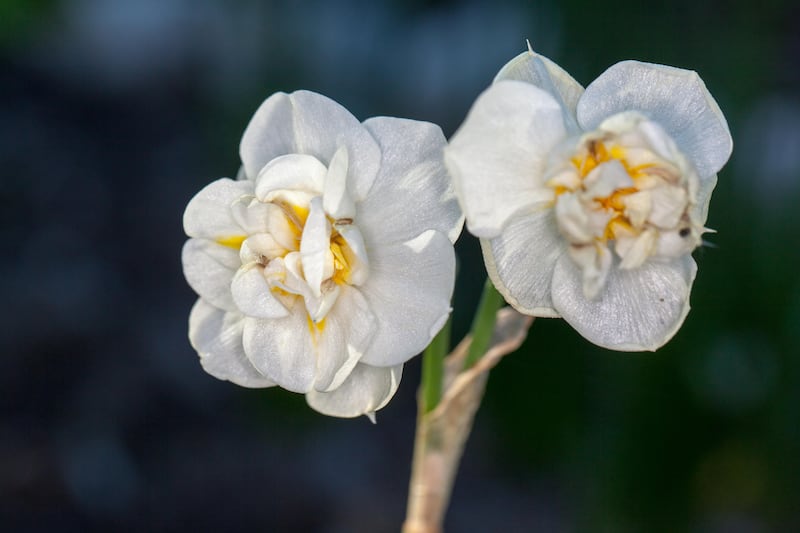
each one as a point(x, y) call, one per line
point(433, 368)
point(442, 431)
point(483, 323)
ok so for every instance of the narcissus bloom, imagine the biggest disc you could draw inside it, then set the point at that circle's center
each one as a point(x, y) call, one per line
point(589, 202)
point(329, 262)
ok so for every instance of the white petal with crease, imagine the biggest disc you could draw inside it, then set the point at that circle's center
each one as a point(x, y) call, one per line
point(409, 195)
point(520, 262)
point(639, 309)
point(308, 123)
point(253, 295)
point(208, 214)
point(297, 172)
point(217, 337)
point(281, 349)
point(366, 390)
point(543, 73)
point(409, 290)
point(498, 154)
point(209, 268)
point(344, 339)
point(676, 99)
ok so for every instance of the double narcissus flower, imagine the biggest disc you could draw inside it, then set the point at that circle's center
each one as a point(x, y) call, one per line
point(589, 202)
point(329, 262)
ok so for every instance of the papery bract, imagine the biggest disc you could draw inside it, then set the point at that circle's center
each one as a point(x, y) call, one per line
point(329, 262)
point(589, 202)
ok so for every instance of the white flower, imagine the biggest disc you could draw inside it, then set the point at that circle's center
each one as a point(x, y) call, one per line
point(589, 203)
point(329, 263)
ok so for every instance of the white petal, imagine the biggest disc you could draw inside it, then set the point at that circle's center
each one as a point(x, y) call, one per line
point(294, 172)
point(671, 244)
point(217, 337)
point(669, 204)
point(699, 211)
point(209, 268)
point(250, 214)
point(594, 261)
point(315, 248)
point(637, 207)
point(284, 224)
point(282, 349)
point(635, 251)
point(639, 309)
point(497, 157)
point(344, 338)
point(540, 71)
point(413, 191)
point(308, 123)
point(336, 198)
point(521, 275)
point(253, 295)
point(208, 214)
point(573, 219)
point(676, 99)
point(366, 390)
point(607, 178)
point(260, 247)
point(359, 265)
point(409, 290)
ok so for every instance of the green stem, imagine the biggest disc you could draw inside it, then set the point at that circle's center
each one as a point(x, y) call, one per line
point(433, 368)
point(483, 323)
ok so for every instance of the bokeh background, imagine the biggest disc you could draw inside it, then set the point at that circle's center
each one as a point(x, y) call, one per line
point(113, 113)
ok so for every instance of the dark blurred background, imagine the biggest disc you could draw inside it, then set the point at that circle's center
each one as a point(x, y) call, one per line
point(113, 113)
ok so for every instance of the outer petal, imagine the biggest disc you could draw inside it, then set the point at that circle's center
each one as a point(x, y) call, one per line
point(282, 349)
point(308, 123)
point(639, 309)
point(409, 290)
point(217, 337)
point(538, 70)
point(209, 268)
point(675, 98)
point(209, 214)
point(520, 262)
point(498, 155)
point(413, 191)
point(367, 389)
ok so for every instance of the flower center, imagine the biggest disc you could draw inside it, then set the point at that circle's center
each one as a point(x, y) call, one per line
point(626, 188)
point(300, 244)
point(316, 256)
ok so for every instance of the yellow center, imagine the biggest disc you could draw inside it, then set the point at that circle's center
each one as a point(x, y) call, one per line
point(292, 225)
point(594, 154)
